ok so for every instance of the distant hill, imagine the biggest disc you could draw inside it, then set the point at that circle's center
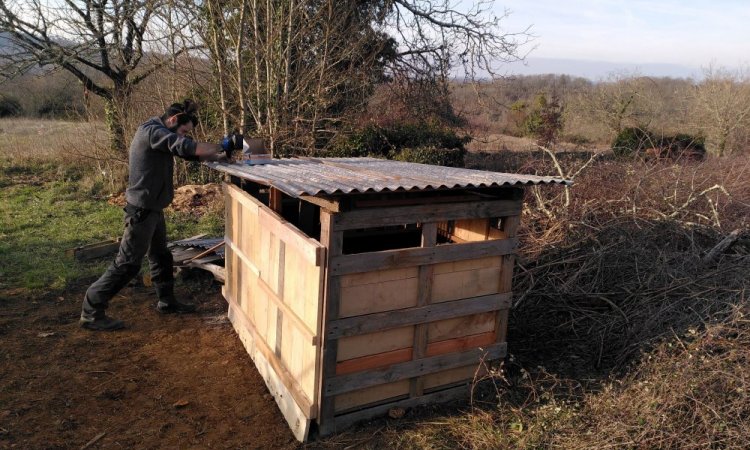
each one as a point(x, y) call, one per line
point(597, 70)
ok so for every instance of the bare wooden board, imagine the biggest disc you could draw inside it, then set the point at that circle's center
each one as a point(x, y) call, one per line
point(347, 383)
point(295, 416)
point(96, 250)
point(346, 420)
point(399, 215)
point(393, 259)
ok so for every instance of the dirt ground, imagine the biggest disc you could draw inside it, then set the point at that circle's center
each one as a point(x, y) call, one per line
point(175, 381)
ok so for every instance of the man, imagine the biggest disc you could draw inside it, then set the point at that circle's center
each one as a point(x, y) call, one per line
point(150, 190)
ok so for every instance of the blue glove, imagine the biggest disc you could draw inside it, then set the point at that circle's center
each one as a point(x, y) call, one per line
point(231, 143)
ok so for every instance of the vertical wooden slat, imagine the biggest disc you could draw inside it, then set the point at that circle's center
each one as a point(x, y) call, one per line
point(509, 226)
point(424, 293)
point(334, 241)
point(274, 201)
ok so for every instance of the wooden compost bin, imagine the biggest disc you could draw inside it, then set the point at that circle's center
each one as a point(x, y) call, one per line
point(389, 299)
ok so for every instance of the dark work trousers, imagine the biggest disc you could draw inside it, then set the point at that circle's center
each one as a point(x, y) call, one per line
point(145, 234)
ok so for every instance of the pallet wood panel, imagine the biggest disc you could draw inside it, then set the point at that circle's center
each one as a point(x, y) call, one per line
point(418, 256)
point(386, 328)
point(275, 290)
point(401, 215)
point(374, 343)
point(373, 322)
point(369, 395)
point(452, 394)
point(347, 383)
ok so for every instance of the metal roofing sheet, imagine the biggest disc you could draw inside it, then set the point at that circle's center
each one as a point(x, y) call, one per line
point(318, 176)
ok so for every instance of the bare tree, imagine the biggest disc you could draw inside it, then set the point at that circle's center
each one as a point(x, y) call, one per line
point(297, 71)
point(621, 101)
point(111, 46)
point(722, 103)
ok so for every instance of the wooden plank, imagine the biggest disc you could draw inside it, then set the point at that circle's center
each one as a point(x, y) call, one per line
point(280, 227)
point(308, 247)
point(219, 272)
point(372, 343)
point(509, 226)
point(461, 326)
point(299, 323)
point(377, 277)
point(243, 198)
point(298, 418)
point(370, 395)
point(466, 374)
point(275, 199)
point(392, 259)
point(347, 383)
point(468, 283)
point(429, 239)
point(471, 230)
point(425, 213)
point(346, 420)
point(370, 323)
point(333, 240)
point(259, 346)
point(384, 202)
point(386, 359)
point(386, 296)
point(96, 250)
point(329, 204)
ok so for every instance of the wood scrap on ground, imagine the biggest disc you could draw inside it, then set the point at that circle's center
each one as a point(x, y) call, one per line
point(95, 250)
point(200, 253)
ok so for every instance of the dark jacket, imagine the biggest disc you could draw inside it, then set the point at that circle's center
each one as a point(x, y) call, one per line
point(152, 166)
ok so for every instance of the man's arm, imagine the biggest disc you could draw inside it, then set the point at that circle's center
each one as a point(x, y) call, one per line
point(209, 152)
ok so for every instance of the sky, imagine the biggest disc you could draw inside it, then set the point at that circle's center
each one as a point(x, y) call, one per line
point(684, 35)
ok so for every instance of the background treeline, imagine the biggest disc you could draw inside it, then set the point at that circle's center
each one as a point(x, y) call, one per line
point(591, 114)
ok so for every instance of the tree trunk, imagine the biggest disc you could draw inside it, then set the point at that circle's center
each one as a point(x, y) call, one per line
point(115, 126)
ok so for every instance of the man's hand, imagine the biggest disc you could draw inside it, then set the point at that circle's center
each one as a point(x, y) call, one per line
point(231, 143)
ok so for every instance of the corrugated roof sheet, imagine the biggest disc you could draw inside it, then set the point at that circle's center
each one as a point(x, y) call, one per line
point(318, 176)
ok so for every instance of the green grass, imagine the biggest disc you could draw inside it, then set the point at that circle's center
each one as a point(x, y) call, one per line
point(42, 218)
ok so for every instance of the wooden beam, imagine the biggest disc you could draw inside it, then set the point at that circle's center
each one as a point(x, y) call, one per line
point(346, 420)
point(424, 294)
point(333, 240)
point(329, 204)
point(370, 323)
point(96, 250)
point(275, 199)
point(347, 383)
point(418, 256)
point(385, 202)
point(509, 226)
point(400, 215)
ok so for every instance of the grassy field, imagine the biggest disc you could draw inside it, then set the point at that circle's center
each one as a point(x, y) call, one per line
point(623, 333)
point(53, 198)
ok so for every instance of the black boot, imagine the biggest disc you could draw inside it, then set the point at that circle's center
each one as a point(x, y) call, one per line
point(173, 306)
point(100, 323)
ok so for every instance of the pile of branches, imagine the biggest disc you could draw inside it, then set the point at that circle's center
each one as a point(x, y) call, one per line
point(602, 298)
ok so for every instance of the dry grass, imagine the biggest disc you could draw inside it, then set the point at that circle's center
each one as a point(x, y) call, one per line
point(622, 334)
point(39, 140)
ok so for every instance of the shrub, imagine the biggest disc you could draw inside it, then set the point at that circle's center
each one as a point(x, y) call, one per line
point(431, 155)
point(633, 140)
point(416, 142)
point(545, 120)
point(10, 106)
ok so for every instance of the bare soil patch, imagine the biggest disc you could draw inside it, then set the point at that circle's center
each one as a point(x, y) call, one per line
point(175, 381)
